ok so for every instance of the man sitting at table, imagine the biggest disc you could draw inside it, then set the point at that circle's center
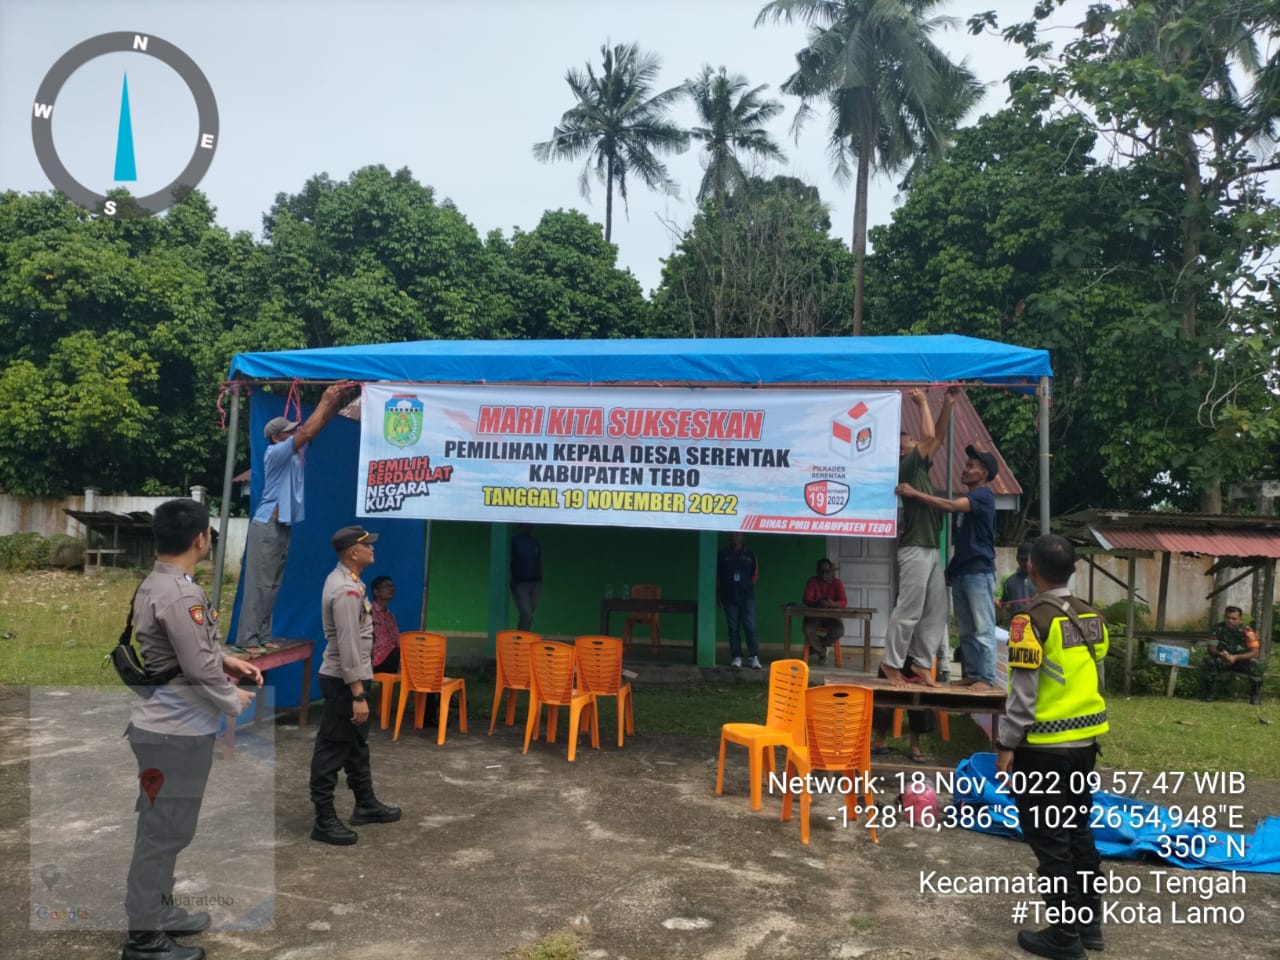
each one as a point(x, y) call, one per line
point(823, 590)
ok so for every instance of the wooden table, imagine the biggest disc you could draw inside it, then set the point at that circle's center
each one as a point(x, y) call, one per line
point(864, 614)
point(916, 696)
point(687, 607)
point(287, 651)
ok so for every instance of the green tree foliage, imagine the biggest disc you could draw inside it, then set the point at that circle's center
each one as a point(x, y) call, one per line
point(763, 265)
point(731, 121)
point(1187, 110)
point(892, 94)
point(117, 333)
point(619, 124)
point(564, 282)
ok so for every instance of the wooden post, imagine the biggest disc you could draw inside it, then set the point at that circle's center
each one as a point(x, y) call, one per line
point(1130, 641)
point(1161, 598)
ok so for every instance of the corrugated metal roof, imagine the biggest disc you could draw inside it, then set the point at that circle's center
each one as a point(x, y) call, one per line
point(968, 429)
point(1212, 543)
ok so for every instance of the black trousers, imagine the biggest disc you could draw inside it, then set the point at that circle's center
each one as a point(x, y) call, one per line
point(172, 774)
point(340, 745)
point(1055, 822)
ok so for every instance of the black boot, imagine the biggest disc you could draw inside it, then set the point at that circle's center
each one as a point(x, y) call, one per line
point(1255, 692)
point(1210, 690)
point(177, 922)
point(1057, 943)
point(369, 809)
point(156, 945)
point(1091, 935)
point(329, 829)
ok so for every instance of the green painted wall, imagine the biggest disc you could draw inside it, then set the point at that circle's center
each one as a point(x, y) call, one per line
point(579, 563)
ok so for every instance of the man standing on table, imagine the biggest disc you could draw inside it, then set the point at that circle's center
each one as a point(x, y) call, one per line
point(172, 730)
point(280, 507)
point(918, 623)
point(1054, 714)
point(972, 570)
point(345, 674)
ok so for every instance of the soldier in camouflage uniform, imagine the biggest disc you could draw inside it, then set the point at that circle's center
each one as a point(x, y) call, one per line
point(1233, 647)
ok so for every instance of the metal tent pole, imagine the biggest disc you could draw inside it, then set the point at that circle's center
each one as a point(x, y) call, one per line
point(1043, 396)
point(224, 512)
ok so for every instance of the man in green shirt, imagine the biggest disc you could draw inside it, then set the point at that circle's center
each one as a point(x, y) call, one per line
point(918, 623)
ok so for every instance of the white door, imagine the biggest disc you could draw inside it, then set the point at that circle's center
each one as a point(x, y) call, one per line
point(865, 565)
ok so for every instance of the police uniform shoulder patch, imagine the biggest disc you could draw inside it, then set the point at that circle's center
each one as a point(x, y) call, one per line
point(1025, 652)
point(197, 613)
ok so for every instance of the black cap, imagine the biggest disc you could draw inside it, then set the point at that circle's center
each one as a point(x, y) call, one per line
point(349, 536)
point(987, 460)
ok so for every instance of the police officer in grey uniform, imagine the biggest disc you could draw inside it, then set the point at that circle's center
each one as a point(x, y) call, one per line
point(345, 674)
point(171, 732)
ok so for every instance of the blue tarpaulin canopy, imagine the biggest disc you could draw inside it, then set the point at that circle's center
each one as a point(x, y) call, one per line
point(330, 466)
point(801, 360)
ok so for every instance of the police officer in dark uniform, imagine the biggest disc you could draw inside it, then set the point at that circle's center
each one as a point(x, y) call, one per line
point(1053, 716)
point(171, 731)
point(345, 674)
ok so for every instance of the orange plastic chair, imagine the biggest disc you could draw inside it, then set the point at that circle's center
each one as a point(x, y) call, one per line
point(422, 671)
point(513, 672)
point(643, 591)
point(944, 726)
point(783, 726)
point(599, 661)
point(386, 692)
point(838, 734)
point(836, 647)
point(551, 684)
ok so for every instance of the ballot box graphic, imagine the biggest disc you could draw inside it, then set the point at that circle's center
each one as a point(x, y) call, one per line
point(853, 432)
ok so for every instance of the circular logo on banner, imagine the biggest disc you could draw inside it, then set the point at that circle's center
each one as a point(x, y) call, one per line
point(124, 42)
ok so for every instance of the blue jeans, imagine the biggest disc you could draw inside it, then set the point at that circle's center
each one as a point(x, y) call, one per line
point(974, 597)
point(741, 614)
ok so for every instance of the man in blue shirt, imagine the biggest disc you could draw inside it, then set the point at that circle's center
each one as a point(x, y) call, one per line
point(972, 570)
point(281, 506)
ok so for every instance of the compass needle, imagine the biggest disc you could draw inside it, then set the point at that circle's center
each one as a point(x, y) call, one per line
point(126, 168)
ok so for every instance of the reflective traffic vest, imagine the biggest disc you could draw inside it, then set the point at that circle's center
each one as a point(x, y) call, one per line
point(1069, 705)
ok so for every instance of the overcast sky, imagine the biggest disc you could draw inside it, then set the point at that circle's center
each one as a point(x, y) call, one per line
point(455, 91)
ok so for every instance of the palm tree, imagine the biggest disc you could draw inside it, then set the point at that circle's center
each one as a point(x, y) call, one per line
point(893, 95)
point(732, 119)
point(618, 125)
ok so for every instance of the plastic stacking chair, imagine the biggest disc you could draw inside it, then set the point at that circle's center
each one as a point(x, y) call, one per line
point(513, 672)
point(944, 726)
point(835, 647)
point(386, 692)
point(551, 684)
point(421, 672)
point(783, 726)
point(643, 591)
point(838, 740)
point(599, 661)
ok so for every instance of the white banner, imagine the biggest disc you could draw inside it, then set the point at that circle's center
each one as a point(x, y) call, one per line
point(779, 461)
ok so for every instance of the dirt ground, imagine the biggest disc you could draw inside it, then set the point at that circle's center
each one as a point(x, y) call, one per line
point(631, 848)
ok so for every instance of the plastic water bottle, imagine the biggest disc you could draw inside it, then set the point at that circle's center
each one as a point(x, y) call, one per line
point(626, 591)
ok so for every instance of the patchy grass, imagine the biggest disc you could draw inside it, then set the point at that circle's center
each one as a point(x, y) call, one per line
point(556, 946)
point(56, 627)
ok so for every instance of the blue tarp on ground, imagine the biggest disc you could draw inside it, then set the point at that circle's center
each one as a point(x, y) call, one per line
point(1128, 829)
point(797, 360)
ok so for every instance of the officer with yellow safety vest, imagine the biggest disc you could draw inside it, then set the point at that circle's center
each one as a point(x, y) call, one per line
point(1047, 747)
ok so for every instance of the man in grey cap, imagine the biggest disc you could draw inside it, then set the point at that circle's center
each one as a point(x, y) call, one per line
point(972, 570)
point(345, 674)
point(281, 506)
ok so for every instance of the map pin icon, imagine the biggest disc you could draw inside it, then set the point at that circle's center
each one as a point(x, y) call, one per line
point(50, 874)
point(152, 780)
